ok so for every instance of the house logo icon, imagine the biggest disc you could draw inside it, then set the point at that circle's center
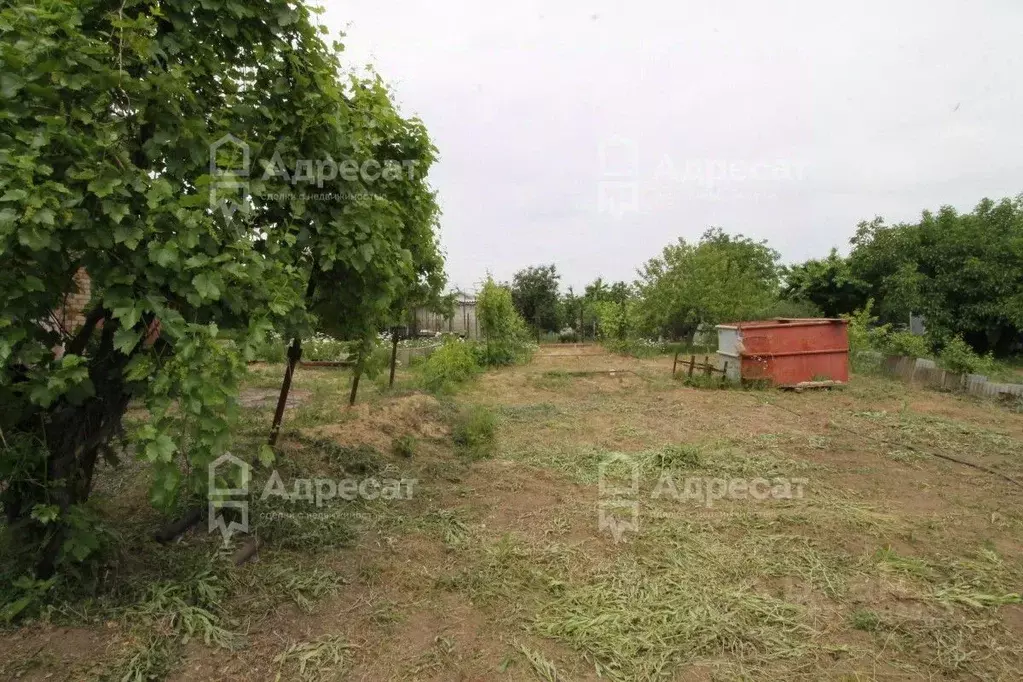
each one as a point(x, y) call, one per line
point(229, 187)
point(618, 506)
point(227, 467)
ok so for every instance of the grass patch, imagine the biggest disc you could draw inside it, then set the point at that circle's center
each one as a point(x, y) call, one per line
point(474, 431)
point(864, 619)
point(404, 446)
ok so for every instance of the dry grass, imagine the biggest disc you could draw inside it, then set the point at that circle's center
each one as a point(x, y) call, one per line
point(893, 564)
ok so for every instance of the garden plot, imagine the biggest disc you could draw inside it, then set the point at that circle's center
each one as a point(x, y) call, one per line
point(889, 563)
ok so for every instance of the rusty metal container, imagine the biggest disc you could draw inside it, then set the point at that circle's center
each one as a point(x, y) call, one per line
point(786, 351)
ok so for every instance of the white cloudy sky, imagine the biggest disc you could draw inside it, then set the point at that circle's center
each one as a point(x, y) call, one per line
point(789, 121)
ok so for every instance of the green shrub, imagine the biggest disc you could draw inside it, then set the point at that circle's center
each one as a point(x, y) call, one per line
point(864, 333)
point(271, 348)
point(638, 348)
point(450, 365)
point(404, 446)
point(568, 335)
point(475, 431)
point(506, 340)
point(957, 356)
point(321, 347)
point(905, 343)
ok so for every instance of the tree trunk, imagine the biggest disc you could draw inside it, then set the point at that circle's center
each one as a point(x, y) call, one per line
point(73, 436)
point(358, 371)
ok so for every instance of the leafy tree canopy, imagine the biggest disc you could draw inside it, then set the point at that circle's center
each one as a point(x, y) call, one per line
point(535, 294)
point(828, 283)
point(719, 278)
point(186, 155)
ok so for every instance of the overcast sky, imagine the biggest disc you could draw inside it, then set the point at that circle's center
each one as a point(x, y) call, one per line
point(592, 133)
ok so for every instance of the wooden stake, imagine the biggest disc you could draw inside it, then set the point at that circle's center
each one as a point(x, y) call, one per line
point(394, 355)
point(294, 353)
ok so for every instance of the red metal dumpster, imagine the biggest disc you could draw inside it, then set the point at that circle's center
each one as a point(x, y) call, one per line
point(787, 351)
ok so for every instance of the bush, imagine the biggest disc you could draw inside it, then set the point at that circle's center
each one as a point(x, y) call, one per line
point(475, 431)
point(639, 348)
point(273, 348)
point(864, 334)
point(957, 356)
point(568, 335)
point(270, 348)
point(326, 348)
point(506, 338)
point(450, 365)
point(905, 343)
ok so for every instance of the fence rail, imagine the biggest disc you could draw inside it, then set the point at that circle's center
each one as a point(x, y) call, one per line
point(927, 373)
point(706, 368)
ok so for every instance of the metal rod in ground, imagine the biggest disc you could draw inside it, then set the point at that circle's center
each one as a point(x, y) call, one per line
point(674, 364)
point(724, 372)
point(294, 354)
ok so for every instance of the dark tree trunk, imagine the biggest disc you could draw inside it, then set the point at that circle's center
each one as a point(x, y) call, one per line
point(359, 365)
point(73, 436)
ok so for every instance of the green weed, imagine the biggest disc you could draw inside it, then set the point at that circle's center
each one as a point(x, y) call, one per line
point(404, 446)
point(475, 431)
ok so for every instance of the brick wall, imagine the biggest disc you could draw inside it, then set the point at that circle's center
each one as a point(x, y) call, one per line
point(71, 315)
point(66, 319)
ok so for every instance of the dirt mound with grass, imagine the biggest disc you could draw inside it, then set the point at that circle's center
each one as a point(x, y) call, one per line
point(378, 423)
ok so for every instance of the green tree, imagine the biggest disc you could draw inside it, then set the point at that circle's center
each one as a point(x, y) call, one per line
point(109, 122)
point(599, 292)
point(535, 295)
point(884, 259)
point(827, 283)
point(963, 272)
point(717, 279)
point(503, 330)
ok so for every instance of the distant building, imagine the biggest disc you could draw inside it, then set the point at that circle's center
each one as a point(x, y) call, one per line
point(462, 321)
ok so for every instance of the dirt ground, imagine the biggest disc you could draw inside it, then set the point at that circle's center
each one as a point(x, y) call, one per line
point(768, 535)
